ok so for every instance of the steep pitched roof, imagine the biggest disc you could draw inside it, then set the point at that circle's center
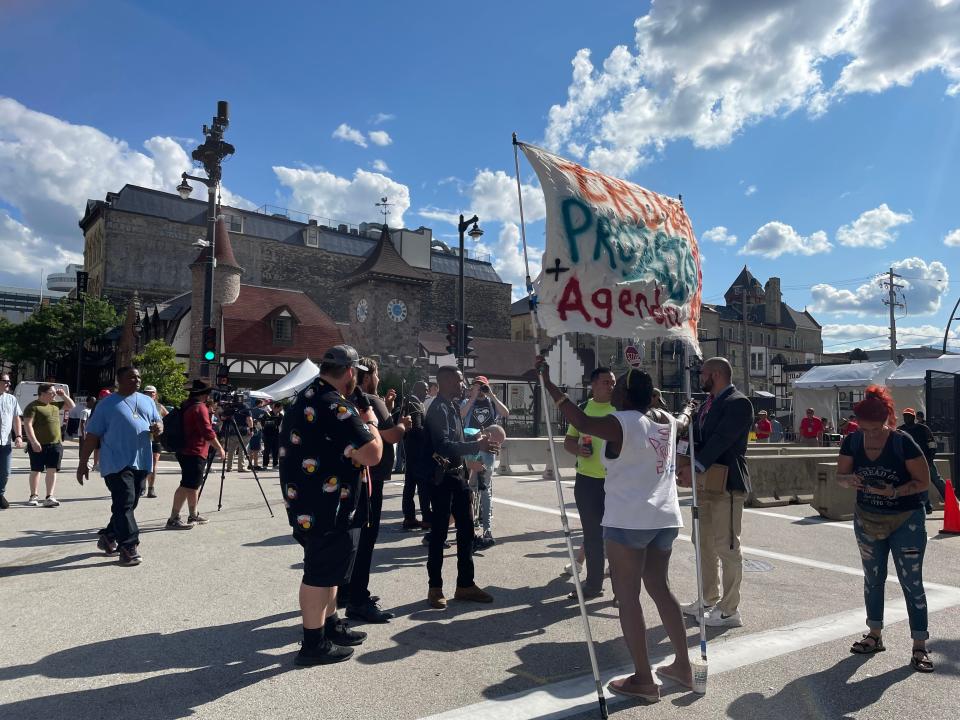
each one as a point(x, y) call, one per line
point(223, 249)
point(247, 329)
point(385, 262)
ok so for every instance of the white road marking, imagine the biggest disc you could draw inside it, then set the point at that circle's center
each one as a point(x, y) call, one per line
point(579, 694)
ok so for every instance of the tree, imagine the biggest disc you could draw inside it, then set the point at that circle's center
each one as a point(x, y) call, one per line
point(857, 355)
point(159, 367)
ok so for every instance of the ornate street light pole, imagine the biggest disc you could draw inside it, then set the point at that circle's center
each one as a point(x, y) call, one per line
point(475, 233)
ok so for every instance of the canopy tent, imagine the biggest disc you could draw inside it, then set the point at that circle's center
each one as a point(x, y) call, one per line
point(819, 388)
point(291, 383)
point(908, 382)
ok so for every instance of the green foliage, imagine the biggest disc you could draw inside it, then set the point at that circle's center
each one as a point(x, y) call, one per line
point(159, 366)
point(51, 333)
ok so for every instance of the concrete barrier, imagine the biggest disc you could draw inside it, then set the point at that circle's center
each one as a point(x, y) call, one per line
point(523, 456)
point(782, 479)
point(834, 502)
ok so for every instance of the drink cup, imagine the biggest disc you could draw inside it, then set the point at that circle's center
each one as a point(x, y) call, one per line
point(587, 441)
point(699, 668)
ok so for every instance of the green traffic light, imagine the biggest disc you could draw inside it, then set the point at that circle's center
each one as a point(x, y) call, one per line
point(209, 355)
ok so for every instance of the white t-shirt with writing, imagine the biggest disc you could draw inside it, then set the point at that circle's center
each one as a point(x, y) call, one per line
point(641, 488)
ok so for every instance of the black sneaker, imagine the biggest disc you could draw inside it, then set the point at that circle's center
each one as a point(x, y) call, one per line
point(129, 556)
point(326, 653)
point(177, 524)
point(340, 634)
point(4, 503)
point(106, 545)
point(369, 612)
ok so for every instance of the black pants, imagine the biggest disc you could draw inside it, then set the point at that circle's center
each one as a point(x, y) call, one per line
point(589, 494)
point(414, 483)
point(357, 590)
point(271, 449)
point(125, 488)
point(451, 494)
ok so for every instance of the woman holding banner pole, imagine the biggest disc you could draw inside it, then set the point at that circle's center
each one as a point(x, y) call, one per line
point(641, 518)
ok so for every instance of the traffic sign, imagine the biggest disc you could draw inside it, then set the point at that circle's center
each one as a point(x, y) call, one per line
point(632, 355)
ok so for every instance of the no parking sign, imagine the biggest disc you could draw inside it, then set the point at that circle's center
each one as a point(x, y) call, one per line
point(632, 355)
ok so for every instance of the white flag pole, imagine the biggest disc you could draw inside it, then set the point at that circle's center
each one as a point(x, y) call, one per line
point(532, 298)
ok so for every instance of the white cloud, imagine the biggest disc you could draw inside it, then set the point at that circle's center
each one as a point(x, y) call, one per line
point(440, 215)
point(493, 197)
point(840, 337)
point(380, 166)
point(751, 189)
point(703, 71)
point(26, 253)
point(952, 239)
point(719, 235)
point(507, 258)
point(924, 285)
point(874, 228)
point(348, 134)
point(49, 168)
point(380, 137)
point(324, 194)
point(776, 238)
point(381, 118)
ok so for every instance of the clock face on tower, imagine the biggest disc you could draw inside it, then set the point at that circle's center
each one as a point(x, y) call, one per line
point(362, 309)
point(397, 310)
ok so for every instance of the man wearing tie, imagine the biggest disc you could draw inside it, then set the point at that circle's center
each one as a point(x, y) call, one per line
point(720, 438)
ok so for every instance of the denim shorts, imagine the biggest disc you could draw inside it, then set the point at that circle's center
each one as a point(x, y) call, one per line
point(661, 539)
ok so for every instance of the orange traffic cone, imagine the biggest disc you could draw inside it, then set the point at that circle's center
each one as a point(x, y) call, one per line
point(951, 512)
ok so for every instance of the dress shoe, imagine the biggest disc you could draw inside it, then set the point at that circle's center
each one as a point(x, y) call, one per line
point(472, 594)
point(436, 599)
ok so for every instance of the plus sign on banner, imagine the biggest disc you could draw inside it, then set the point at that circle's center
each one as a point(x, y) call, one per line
point(632, 355)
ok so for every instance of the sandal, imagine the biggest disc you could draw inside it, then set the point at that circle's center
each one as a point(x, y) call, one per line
point(920, 661)
point(619, 688)
point(869, 644)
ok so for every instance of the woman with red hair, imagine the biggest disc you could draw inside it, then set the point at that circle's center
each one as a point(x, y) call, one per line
point(889, 471)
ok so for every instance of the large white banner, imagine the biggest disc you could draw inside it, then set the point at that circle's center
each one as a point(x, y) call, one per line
point(619, 260)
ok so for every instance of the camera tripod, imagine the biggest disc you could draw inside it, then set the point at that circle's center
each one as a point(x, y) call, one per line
point(230, 429)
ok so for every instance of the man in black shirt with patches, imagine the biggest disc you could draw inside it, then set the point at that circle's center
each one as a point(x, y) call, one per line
point(325, 443)
point(450, 490)
point(356, 594)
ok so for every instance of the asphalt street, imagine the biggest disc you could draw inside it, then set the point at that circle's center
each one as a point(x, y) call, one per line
point(207, 626)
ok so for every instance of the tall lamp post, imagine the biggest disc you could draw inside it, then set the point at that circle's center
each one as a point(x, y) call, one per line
point(475, 233)
point(82, 280)
point(210, 154)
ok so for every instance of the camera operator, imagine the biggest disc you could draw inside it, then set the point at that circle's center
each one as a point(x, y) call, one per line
point(355, 593)
point(271, 434)
point(232, 407)
point(481, 410)
point(325, 442)
point(450, 490)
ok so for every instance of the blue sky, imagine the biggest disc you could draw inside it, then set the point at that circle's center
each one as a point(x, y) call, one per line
point(822, 136)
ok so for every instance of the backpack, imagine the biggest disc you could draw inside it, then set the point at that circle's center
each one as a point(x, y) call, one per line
point(173, 437)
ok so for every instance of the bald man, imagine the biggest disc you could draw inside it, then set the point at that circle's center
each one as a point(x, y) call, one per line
point(721, 430)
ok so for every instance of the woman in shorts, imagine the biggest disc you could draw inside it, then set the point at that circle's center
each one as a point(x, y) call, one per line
point(641, 519)
point(890, 473)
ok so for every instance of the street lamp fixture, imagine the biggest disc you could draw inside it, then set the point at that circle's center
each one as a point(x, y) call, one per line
point(184, 188)
point(475, 232)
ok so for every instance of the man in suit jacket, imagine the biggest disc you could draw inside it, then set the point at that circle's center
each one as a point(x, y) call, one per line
point(720, 436)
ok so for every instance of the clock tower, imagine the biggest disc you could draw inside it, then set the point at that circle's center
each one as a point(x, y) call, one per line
point(385, 294)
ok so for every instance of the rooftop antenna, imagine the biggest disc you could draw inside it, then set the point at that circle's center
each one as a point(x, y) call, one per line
point(384, 208)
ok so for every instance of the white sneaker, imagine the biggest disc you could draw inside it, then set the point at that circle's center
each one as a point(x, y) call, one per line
point(717, 618)
point(34, 501)
point(51, 501)
point(568, 570)
point(693, 609)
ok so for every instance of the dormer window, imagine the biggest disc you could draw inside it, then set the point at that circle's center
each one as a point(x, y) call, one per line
point(311, 236)
point(283, 328)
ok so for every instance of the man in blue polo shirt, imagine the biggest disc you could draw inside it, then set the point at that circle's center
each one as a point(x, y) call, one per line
point(122, 423)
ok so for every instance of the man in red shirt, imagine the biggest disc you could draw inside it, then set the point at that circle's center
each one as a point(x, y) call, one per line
point(850, 426)
point(763, 427)
point(198, 436)
point(811, 429)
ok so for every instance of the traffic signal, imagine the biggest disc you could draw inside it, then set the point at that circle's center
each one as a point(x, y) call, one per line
point(467, 339)
point(208, 345)
point(453, 338)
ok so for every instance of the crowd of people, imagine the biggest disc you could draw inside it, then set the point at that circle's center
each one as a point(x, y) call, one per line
point(334, 447)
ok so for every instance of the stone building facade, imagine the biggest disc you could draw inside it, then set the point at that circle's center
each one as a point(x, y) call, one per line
point(142, 240)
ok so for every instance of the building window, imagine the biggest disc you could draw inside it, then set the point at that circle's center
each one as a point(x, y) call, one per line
point(733, 358)
point(311, 236)
point(234, 222)
point(283, 329)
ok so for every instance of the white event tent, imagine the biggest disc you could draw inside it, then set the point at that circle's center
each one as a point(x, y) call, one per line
point(908, 382)
point(291, 383)
point(820, 386)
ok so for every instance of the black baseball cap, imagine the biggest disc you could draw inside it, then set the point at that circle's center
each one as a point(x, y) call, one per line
point(345, 356)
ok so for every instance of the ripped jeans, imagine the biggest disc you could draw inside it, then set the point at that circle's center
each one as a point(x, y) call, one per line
point(907, 545)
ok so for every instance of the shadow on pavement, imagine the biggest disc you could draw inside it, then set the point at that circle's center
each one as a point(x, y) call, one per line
point(44, 538)
point(58, 564)
point(199, 666)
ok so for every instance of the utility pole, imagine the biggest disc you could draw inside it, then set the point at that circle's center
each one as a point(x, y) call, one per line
point(891, 301)
point(743, 341)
